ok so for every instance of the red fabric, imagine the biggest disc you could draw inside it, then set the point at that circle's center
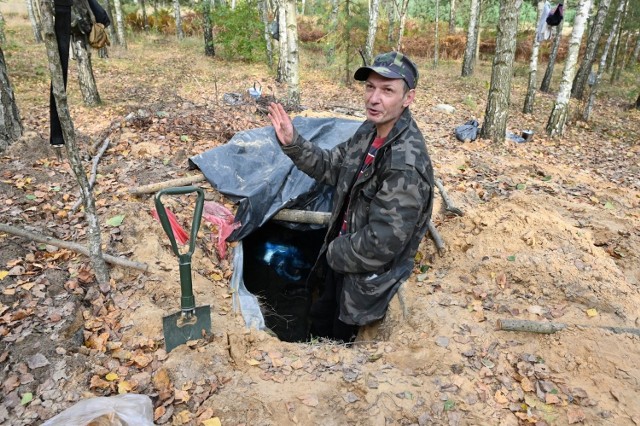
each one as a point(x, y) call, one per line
point(179, 233)
point(220, 216)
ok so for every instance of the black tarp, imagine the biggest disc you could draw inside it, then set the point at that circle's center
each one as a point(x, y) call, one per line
point(252, 169)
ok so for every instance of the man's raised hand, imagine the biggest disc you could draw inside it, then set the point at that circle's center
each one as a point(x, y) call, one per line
point(281, 123)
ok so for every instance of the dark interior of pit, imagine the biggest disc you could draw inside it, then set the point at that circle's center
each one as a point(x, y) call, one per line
point(277, 262)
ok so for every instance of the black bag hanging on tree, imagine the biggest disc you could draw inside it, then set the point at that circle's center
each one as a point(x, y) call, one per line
point(556, 15)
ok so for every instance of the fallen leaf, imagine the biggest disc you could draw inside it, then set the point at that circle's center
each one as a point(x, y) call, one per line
point(500, 398)
point(111, 377)
point(181, 396)
point(124, 387)
point(183, 417)
point(116, 220)
point(253, 362)
point(526, 384)
point(141, 360)
point(575, 415)
point(97, 382)
point(159, 412)
point(592, 312)
point(161, 379)
point(212, 422)
point(310, 399)
point(26, 398)
point(36, 361)
point(3, 274)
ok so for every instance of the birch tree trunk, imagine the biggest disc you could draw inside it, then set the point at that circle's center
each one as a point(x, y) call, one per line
point(10, 123)
point(436, 46)
point(530, 98)
point(303, 4)
point(391, 15)
point(636, 51)
point(497, 111)
point(579, 83)
point(558, 117)
point(263, 6)
point(452, 16)
point(603, 60)
point(178, 18)
point(333, 27)
point(35, 24)
point(403, 21)
point(88, 88)
point(548, 73)
point(282, 41)
point(622, 62)
point(373, 27)
point(207, 29)
point(469, 60)
point(638, 102)
point(293, 76)
point(616, 42)
point(57, 82)
point(111, 29)
point(3, 39)
point(122, 41)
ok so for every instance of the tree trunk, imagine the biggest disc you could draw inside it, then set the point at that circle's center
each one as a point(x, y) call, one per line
point(603, 60)
point(3, 39)
point(10, 124)
point(293, 76)
point(373, 27)
point(263, 6)
point(616, 42)
point(546, 80)
point(638, 102)
point(207, 29)
point(636, 51)
point(303, 4)
point(558, 117)
point(469, 61)
point(282, 41)
point(122, 41)
point(178, 18)
point(90, 95)
point(391, 15)
point(35, 24)
point(452, 17)
point(57, 82)
point(615, 60)
point(347, 42)
point(577, 91)
point(111, 29)
point(333, 27)
point(145, 21)
point(436, 46)
point(529, 100)
point(403, 21)
point(623, 58)
point(495, 117)
point(233, 4)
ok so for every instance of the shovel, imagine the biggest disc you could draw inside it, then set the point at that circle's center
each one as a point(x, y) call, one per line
point(190, 323)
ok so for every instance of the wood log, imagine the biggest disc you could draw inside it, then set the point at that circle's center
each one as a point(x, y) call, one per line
point(303, 216)
point(552, 327)
point(78, 248)
point(155, 187)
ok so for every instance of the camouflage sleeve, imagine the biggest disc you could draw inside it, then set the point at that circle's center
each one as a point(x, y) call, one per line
point(394, 214)
point(321, 164)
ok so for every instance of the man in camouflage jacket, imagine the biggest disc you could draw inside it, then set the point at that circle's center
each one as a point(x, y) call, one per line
point(382, 204)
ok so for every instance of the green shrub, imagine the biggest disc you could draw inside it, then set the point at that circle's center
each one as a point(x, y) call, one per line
point(239, 34)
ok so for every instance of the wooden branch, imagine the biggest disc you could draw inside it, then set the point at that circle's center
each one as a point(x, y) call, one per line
point(94, 173)
point(448, 204)
point(436, 237)
point(78, 248)
point(155, 187)
point(303, 216)
point(552, 327)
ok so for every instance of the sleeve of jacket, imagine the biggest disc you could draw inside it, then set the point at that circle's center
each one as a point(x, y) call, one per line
point(101, 15)
point(321, 164)
point(393, 215)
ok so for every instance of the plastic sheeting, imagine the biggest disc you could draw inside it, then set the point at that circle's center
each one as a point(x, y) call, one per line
point(252, 169)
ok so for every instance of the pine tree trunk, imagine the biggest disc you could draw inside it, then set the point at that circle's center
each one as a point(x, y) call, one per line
point(452, 17)
point(495, 116)
point(35, 24)
point(436, 46)
point(530, 98)
point(10, 124)
point(371, 34)
point(347, 42)
point(469, 61)
point(403, 21)
point(293, 76)
point(282, 41)
point(57, 82)
point(178, 18)
point(88, 88)
point(603, 61)
point(207, 29)
point(546, 80)
point(122, 41)
point(558, 117)
point(333, 26)
point(579, 83)
point(263, 6)
point(145, 21)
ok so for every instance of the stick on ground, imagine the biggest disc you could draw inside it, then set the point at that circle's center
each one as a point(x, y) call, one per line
point(552, 327)
point(155, 187)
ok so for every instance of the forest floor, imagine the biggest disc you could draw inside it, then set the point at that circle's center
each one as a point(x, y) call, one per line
point(550, 232)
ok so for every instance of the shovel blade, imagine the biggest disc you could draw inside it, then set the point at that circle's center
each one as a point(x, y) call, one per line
point(179, 329)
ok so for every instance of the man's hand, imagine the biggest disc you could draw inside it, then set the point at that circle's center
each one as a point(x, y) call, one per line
point(281, 123)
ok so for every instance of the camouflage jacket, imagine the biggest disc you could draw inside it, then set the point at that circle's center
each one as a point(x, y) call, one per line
point(389, 208)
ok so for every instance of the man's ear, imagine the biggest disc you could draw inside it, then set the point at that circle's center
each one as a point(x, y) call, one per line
point(409, 97)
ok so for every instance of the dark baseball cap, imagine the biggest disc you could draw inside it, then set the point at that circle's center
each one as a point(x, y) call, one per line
point(391, 65)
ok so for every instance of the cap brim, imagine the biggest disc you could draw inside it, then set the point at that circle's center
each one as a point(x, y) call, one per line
point(362, 73)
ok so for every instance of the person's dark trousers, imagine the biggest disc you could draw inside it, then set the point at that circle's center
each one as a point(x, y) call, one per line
point(325, 312)
point(63, 36)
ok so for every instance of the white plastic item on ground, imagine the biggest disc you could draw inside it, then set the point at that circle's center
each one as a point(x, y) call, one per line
point(127, 410)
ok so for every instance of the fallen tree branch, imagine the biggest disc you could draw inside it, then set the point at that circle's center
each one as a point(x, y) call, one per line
point(303, 216)
point(552, 327)
point(94, 173)
point(155, 187)
point(448, 204)
point(436, 237)
point(78, 248)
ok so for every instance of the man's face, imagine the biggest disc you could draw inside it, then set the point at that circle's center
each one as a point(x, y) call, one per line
point(384, 100)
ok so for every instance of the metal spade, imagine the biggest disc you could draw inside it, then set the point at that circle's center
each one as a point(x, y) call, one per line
point(191, 322)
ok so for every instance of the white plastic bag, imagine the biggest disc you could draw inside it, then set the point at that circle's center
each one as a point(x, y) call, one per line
point(127, 410)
